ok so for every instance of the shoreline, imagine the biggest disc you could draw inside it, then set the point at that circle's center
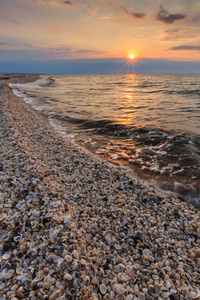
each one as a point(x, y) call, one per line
point(73, 227)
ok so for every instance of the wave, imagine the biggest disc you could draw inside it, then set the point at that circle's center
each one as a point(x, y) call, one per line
point(105, 127)
point(183, 92)
point(186, 192)
point(19, 89)
point(146, 135)
point(172, 92)
point(41, 82)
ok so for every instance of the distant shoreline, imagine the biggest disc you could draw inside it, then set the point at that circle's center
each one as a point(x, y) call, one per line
point(17, 78)
point(101, 66)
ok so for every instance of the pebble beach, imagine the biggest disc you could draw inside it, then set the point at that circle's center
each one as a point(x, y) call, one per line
point(75, 227)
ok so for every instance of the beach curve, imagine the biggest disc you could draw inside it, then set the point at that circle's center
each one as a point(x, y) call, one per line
point(73, 227)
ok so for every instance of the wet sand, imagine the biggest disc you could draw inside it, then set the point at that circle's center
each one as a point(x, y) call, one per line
point(74, 227)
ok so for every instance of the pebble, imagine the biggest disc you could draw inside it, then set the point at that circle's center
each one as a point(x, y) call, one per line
point(67, 231)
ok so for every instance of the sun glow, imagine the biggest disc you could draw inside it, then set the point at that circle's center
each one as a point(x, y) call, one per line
point(131, 56)
point(131, 62)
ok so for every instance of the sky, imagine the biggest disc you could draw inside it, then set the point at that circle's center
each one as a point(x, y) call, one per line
point(35, 34)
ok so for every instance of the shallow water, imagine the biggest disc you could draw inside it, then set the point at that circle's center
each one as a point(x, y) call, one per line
point(148, 123)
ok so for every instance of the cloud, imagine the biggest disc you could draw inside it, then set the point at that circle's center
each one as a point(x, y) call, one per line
point(55, 2)
point(3, 44)
point(178, 34)
point(172, 30)
point(9, 19)
point(168, 18)
point(66, 50)
point(88, 51)
point(109, 3)
point(124, 10)
point(186, 47)
point(68, 2)
point(59, 48)
point(49, 51)
point(135, 15)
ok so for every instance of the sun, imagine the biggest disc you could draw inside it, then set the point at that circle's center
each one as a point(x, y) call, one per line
point(131, 56)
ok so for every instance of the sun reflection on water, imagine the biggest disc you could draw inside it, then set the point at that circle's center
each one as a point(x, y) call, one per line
point(128, 106)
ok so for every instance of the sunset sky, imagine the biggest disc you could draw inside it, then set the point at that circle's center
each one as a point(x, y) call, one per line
point(36, 30)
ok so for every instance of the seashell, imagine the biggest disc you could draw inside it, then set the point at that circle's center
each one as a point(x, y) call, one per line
point(47, 281)
point(19, 294)
point(72, 291)
point(151, 258)
point(67, 218)
point(76, 283)
point(103, 289)
point(53, 281)
point(106, 297)
point(83, 261)
point(53, 237)
point(124, 278)
point(17, 238)
point(34, 252)
point(6, 256)
point(165, 295)
point(60, 260)
point(51, 271)
point(19, 270)
point(197, 253)
point(120, 268)
point(146, 252)
point(105, 281)
point(58, 294)
point(87, 280)
point(112, 295)
point(74, 265)
point(68, 277)
point(128, 268)
point(42, 252)
point(43, 246)
point(58, 285)
point(68, 258)
point(195, 294)
point(6, 274)
point(40, 295)
point(145, 290)
point(158, 289)
point(194, 275)
point(75, 253)
point(130, 231)
point(130, 297)
point(14, 287)
point(118, 289)
point(141, 296)
point(179, 252)
point(95, 280)
point(2, 286)
point(108, 240)
point(146, 260)
point(117, 247)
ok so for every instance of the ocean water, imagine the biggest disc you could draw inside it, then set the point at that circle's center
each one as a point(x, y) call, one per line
point(147, 124)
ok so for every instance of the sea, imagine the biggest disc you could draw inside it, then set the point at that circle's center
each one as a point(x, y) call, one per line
point(147, 125)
